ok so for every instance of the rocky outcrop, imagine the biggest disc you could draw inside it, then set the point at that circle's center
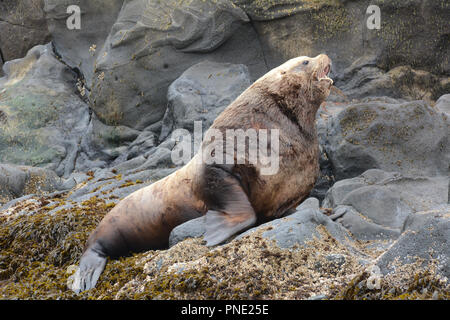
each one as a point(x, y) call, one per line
point(17, 181)
point(43, 118)
point(425, 243)
point(292, 28)
point(443, 104)
point(23, 26)
point(408, 137)
point(80, 48)
point(152, 43)
point(201, 93)
point(376, 204)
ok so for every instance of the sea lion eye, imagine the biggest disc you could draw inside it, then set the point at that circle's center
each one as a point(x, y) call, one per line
point(305, 62)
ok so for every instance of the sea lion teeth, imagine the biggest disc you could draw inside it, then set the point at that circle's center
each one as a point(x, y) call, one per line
point(326, 78)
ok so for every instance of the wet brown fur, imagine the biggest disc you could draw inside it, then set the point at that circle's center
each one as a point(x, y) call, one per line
point(286, 98)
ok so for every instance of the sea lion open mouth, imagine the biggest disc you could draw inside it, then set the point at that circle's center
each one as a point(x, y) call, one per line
point(323, 74)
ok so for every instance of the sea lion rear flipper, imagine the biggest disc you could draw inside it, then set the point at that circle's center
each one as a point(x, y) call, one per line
point(91, 266)
point(230, 213)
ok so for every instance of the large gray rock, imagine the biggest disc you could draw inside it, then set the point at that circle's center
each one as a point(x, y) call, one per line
point(408, 137)
point(23, 26)
point(302, 227)
point(17, 181)
point(443, 104)
point(105, 143)
point(43, 119)
point(201, 93)
point(194, 228)
point(363, 228)
point(426, 238)
point(153, 42)
point(364, 79)
point(377, 203)
point(290, 28)
point(311, 218)
point(76, 47)
point(389, 61)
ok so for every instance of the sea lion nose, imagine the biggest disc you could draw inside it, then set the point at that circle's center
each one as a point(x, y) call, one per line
point(323, 57)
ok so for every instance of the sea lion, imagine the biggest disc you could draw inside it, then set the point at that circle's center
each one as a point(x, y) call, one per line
point(233, 196)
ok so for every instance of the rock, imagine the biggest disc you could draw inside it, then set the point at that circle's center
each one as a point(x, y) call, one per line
point(425, 242)
point(381, 62)
point(408, 137)
point(107, 185)
point(143, 143)
point(362, 228)
point(337, 259)
point(80, 48)
point(194, 228)
point(376, 204)
point(161, 158)
point(23, 26)
point(443, 104)
point(130, 164)
point(105, 143)
point(364, 79)
point(18, 181)
point(152, 43)
point(302, 227)
point(418, 192)
point(294, 28)
point(201, 93)
point(325, 180)
point(42, 118)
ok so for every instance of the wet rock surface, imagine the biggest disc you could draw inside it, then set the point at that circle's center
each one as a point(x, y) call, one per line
point(152, 43)
point(409, 137)
point(23, 26)
point(43, 119)
point(202, 93)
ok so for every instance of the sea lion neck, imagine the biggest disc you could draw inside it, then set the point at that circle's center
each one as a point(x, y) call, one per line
point(294, 101)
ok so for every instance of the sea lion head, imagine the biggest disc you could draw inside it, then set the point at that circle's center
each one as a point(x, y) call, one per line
point(303, 77)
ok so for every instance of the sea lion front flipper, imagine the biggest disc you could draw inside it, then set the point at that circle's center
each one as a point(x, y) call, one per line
point(230, 213)
point(220, 226)
point(91, 266)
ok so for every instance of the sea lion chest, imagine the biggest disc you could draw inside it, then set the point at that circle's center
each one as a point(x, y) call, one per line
point(273, 195)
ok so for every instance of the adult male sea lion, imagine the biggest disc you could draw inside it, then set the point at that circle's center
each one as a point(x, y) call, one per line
point(233, 196)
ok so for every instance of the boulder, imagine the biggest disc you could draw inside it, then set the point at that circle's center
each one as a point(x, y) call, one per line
point(23, 26)
point(201, 93)
point(382, 133)
point(376, 204)
point(389, 61)
point(425, 243)
point(303, 227)
point(443, 104)
point(18, 181)
point(43, 119)
point(194, 228)
point(80, 48)
point(153, 42)
point(364, 79)
point(294, 28)
point(300, 228)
